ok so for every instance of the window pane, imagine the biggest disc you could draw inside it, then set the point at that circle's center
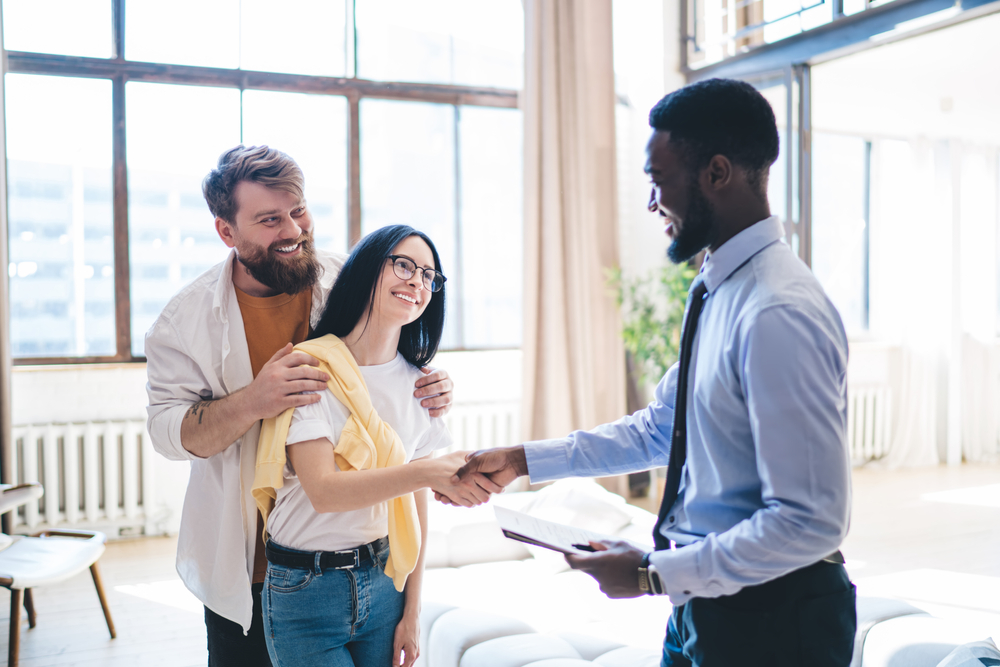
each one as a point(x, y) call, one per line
point(59, 198)
point(838, 223)
point(408, 177)
point(491, 227)
point(442, 41)
point(303, 37)
point(66, 27)
point(777, 182)
point(175, 137)
point(312, 129)
point(183, 32)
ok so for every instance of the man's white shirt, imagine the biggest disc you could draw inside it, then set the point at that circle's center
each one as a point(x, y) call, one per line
point(197, 350)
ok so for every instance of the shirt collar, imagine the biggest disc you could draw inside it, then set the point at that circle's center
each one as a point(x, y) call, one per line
point(320, 291)
point(735, 252)
point(224, 288)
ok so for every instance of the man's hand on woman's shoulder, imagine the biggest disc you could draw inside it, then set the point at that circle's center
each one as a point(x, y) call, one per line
point(435, 388)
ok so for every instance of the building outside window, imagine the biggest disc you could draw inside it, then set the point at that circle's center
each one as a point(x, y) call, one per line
point(397, 112)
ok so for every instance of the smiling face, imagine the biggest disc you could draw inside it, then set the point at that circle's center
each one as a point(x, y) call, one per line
point(677, 197)
point(272, 235)
point(400, 301)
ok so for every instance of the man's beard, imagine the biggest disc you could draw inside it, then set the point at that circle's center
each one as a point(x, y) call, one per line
point(695, 233)
point(288, 276)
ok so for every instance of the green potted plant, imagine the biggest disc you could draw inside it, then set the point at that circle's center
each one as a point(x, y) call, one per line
point(652, 312)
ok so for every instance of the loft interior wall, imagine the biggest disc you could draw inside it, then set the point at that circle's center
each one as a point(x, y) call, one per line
point(937, 85)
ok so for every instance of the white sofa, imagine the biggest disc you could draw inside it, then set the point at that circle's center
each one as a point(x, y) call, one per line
point(489, 598)
point(494, 602)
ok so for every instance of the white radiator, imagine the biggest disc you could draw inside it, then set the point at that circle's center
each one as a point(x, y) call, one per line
point(104, 475)
point(869, 417)
point(483, 425)
point(97, 475)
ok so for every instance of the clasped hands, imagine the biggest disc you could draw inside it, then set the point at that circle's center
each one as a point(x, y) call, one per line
point(613, 564)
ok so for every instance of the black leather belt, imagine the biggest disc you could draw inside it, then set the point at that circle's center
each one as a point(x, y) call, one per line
point(836, 558)
point(328, 560)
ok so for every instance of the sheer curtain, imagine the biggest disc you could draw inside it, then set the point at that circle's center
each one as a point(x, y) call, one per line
point(910, 281)
point(934, 291)
point(980, 374)
point(574, 375)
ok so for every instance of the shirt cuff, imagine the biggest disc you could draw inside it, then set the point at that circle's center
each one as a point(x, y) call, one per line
point(547, 460)
point(678, 570)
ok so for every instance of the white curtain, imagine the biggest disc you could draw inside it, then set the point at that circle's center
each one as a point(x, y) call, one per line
point(574, 374)
point(909, 288)
point(934, 291)
point(980, 374)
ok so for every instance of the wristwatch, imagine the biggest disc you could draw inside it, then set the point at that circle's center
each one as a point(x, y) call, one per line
point(649, 579)
point(644, 576)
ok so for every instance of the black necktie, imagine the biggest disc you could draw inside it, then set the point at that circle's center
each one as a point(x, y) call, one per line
point(678, 439)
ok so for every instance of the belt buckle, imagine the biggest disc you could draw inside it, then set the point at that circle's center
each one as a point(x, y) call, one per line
point(355, 564)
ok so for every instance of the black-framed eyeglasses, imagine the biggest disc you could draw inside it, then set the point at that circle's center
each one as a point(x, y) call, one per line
point(404, 268)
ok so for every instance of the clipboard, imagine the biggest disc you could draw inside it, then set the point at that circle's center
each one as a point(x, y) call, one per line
point(548, 534)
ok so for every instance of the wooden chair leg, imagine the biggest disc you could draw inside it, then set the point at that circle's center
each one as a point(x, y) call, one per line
point(104, 601)
point(15, 627)
point(29, 606)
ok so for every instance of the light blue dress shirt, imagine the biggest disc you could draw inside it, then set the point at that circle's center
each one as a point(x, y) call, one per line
point(766, 489)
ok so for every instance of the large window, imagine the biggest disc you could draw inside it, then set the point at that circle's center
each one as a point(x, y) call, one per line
point(397, 112)
point(720, 29)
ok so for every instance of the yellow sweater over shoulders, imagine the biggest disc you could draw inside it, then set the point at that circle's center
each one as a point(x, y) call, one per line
point(366, 442)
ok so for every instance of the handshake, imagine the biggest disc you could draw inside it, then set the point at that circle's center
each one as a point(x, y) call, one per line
point(468, 479)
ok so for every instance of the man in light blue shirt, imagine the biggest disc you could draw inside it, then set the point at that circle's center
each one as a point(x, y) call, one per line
point(747, 542)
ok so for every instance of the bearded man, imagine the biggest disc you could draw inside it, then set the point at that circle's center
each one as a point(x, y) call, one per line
point(220, 359)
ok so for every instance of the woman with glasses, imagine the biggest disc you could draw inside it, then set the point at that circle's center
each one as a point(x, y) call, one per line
point(345, 563)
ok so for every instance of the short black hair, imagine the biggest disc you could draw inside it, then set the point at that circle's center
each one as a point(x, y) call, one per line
point(355, 289)
point(721, 117)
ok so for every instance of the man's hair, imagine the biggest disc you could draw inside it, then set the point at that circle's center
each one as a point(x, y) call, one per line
point(257, 164)
point(355, 290)
point(721, 117)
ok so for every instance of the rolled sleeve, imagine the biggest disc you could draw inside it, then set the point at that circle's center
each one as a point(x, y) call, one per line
point(174, 383)
point(325, 419)
point(636, 442)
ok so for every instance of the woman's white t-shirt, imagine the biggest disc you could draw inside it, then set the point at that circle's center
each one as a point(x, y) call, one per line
point(293, 522)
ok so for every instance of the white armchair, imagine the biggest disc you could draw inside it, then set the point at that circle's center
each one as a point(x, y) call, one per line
point(41, 560)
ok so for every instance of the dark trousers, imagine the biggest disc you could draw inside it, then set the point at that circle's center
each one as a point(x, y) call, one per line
point(229, 647)
point(806, 617)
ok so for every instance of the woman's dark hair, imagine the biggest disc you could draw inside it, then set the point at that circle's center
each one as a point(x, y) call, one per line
point(721, 117)
point(355, 290)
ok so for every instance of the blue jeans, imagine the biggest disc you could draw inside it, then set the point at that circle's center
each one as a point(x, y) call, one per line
point(334, 617)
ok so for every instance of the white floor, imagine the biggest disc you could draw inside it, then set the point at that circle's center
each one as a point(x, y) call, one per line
point(929, 536)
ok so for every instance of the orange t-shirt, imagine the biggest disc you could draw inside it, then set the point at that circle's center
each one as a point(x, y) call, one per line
point(271, 322)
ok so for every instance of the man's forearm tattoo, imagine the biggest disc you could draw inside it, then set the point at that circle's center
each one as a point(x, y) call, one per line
point(198, 409)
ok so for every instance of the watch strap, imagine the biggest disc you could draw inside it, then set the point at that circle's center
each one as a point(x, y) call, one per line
point(644, 582)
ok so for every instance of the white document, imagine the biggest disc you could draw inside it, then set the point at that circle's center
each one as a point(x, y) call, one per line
point(549, 534)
